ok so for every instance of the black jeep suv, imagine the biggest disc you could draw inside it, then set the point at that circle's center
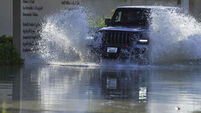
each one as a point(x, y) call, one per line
point(127, 33)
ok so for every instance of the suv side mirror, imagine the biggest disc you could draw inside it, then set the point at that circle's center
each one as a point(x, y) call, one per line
point(108, 21)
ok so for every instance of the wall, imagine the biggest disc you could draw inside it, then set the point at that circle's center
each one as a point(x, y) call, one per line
point(6, 17)
point(6, 6)
point(103, 7)
point(94, 5)
point(195, 8)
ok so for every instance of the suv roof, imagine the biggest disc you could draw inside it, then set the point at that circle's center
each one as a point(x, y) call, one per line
point(150, 7)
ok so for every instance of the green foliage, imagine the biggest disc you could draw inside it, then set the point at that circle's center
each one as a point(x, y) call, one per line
point(8, 54)
point(100, 21)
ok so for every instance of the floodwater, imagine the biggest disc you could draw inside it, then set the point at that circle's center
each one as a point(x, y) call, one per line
point(100, 89)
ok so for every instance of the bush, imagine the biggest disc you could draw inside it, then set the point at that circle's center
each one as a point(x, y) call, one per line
point(99, 22)
point(8, 54)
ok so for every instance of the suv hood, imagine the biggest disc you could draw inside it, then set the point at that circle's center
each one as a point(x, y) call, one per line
point(137, 29)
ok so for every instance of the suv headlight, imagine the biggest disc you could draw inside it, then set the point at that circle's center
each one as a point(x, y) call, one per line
point(143, 41)
point(90, 38)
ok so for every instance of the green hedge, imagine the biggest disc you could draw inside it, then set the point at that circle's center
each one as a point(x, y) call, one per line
point(99, 22)
point(8, 54)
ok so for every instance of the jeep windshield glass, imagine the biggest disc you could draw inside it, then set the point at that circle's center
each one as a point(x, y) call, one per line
point(131, 17)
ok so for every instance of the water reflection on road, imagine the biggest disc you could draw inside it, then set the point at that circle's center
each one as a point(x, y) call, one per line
point(67, 89)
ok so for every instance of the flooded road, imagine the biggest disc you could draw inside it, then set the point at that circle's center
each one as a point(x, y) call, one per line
point(100, 89)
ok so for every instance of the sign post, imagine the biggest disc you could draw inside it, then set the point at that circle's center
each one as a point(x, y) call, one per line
point(185, 5)
point(17, 25)
point(27, 18)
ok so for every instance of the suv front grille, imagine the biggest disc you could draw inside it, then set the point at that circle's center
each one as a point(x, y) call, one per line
point(116, 37)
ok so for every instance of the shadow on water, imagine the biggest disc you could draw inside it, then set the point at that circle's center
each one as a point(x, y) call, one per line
point(8, 80)
point(66, 89)
point(7, 73)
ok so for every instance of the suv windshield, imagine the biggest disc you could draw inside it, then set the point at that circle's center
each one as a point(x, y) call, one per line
point(131, 17)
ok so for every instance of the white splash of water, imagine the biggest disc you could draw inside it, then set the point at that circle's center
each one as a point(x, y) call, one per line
point(175, 37)
point(63, 36)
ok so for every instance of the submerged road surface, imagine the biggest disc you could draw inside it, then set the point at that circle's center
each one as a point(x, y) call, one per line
point(70, 89)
